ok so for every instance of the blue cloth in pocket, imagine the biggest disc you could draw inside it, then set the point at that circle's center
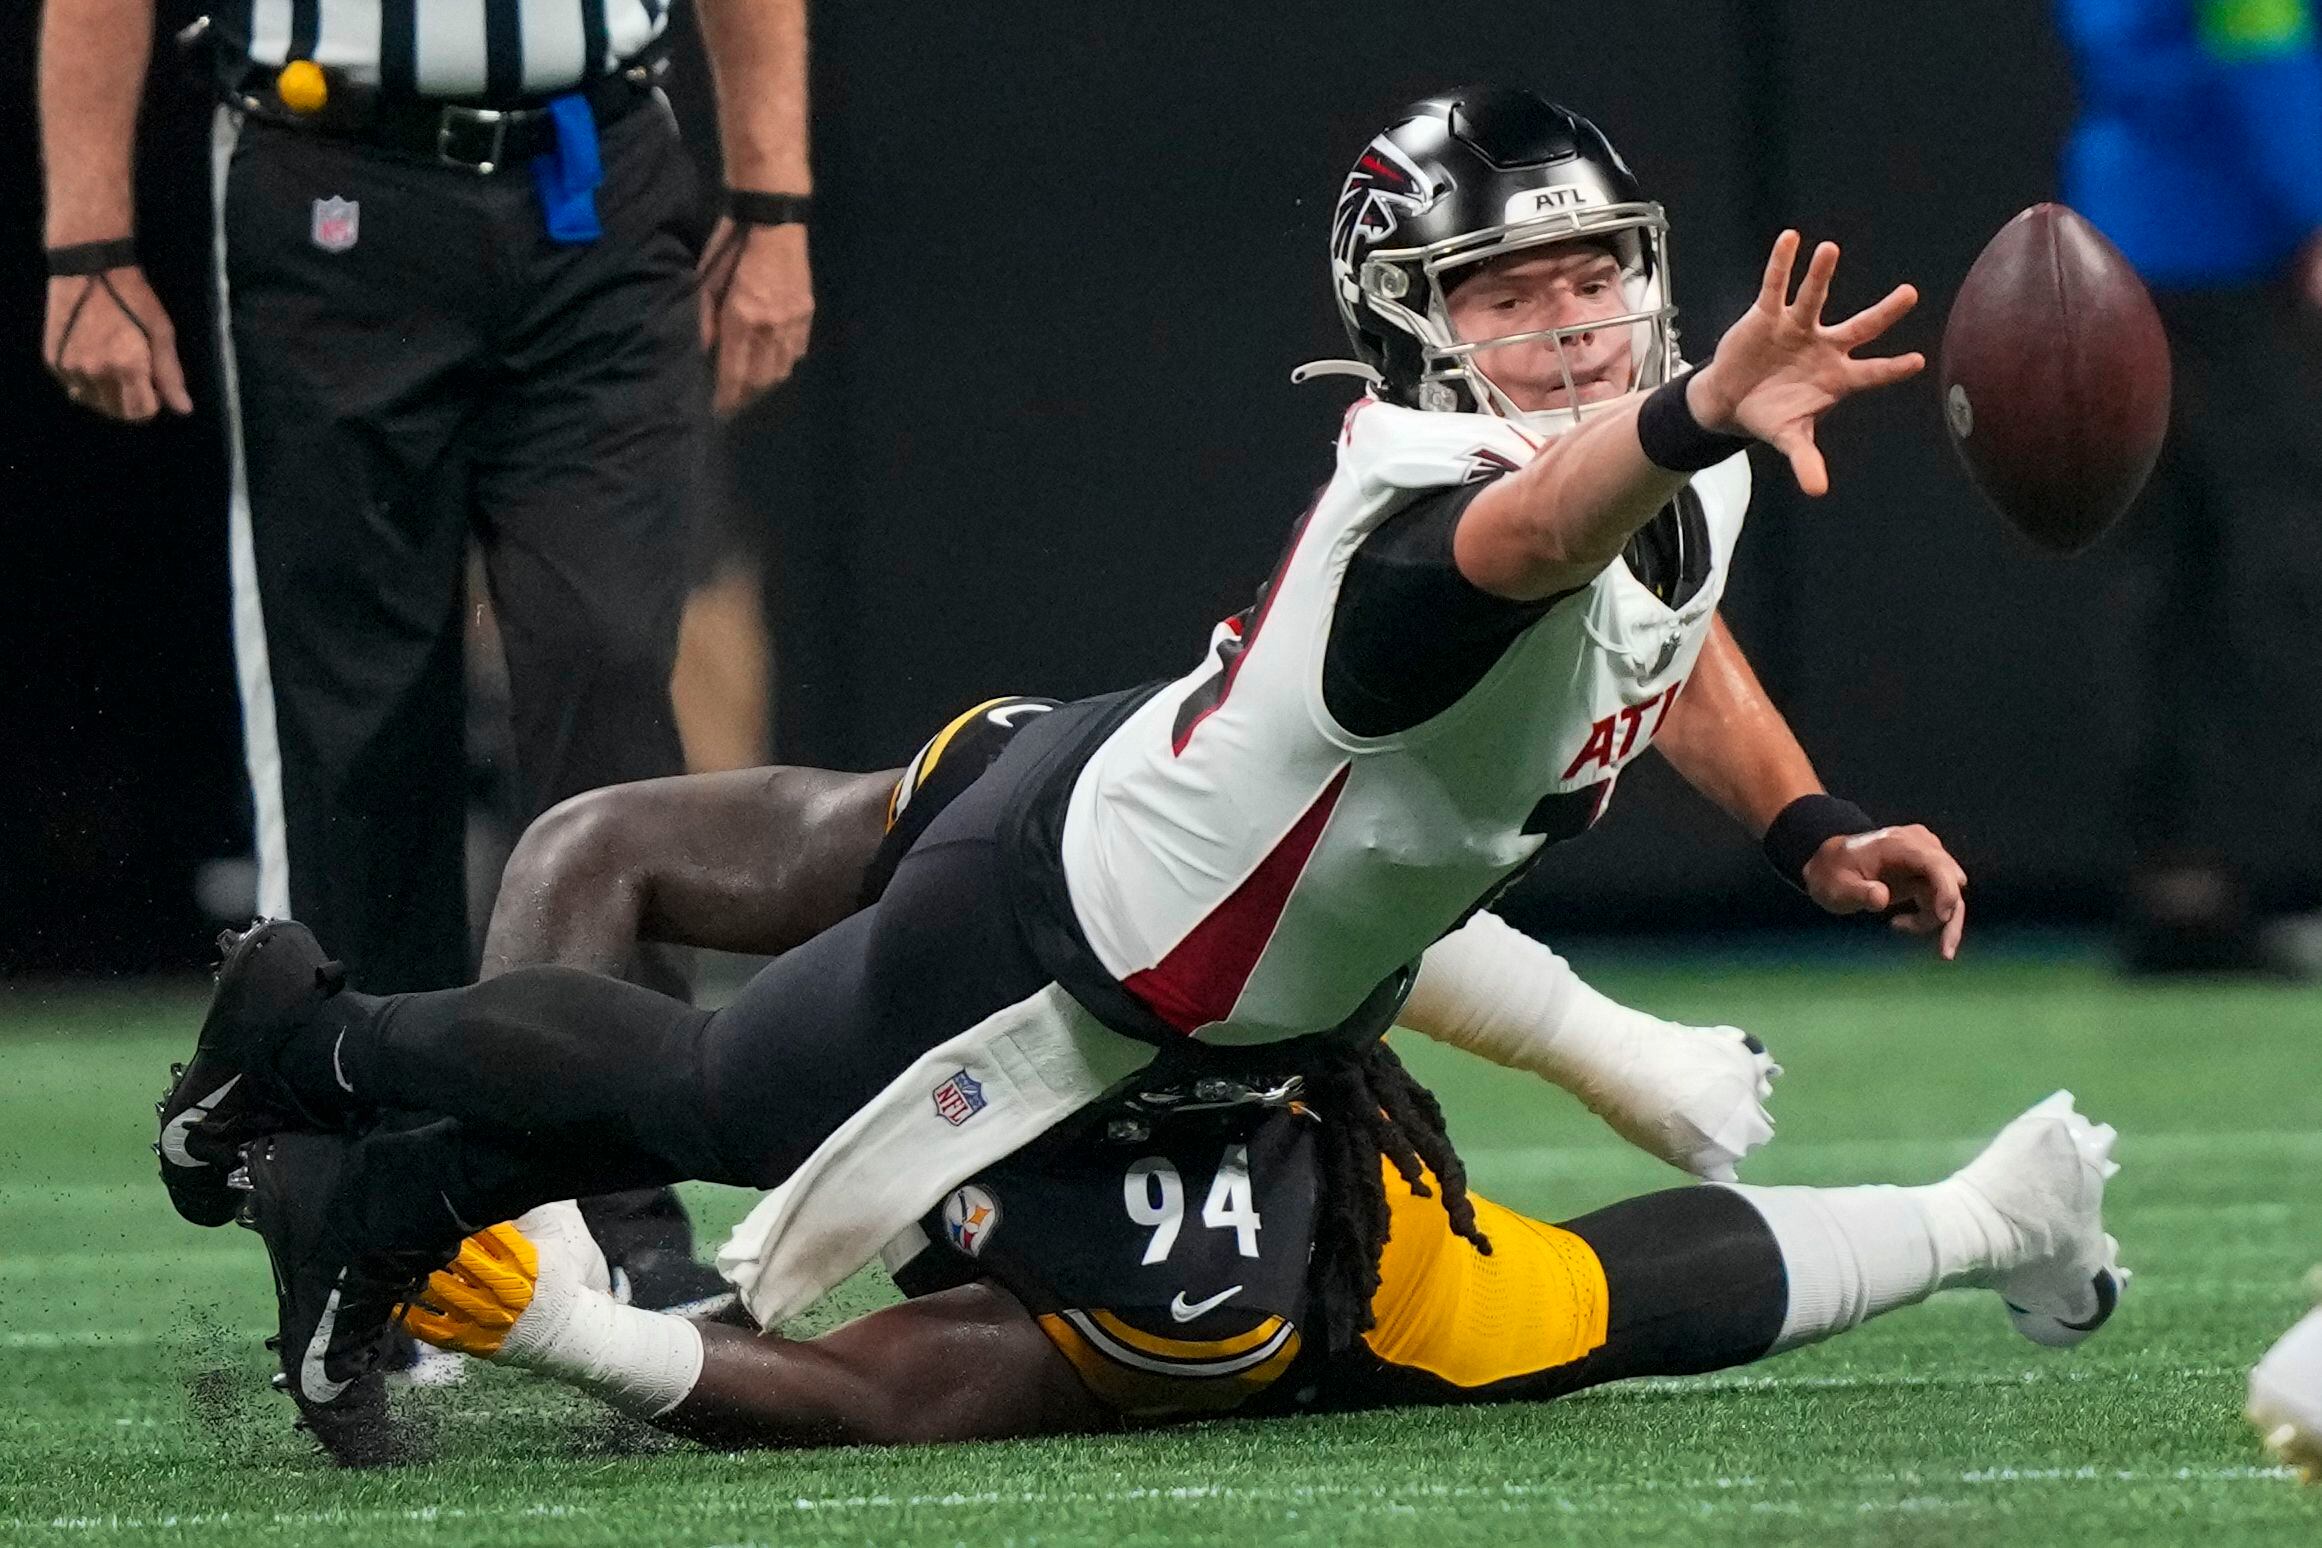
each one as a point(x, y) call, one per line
point(568, 176)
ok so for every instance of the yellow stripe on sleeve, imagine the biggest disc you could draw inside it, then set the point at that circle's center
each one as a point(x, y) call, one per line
point(943, 738)
point(1184, 1349)
point(1151, 1394)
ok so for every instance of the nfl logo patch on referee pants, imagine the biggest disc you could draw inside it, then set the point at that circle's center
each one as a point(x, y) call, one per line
point(337, 222)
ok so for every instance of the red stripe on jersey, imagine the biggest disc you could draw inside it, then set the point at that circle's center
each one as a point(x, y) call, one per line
point(1215, 689)
point(1202, 977)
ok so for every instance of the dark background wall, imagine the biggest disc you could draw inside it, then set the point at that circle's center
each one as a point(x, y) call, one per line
point(1067, 256)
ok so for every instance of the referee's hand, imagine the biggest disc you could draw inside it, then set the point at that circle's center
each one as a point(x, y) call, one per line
point(109, 341)
point(757, 306)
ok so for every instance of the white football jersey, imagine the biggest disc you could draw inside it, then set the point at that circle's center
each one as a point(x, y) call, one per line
point(1251, 870)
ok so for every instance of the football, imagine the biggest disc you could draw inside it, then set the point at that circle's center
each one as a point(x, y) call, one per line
point(2054, 377)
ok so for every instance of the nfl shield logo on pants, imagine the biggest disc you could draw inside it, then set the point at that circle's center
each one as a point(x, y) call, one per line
point(959, 1098)
point(336, 223)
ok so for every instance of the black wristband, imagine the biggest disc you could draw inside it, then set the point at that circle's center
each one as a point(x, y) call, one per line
point(84, 258)
point(751, 208)
point(1673, 439)
point(1804, 826)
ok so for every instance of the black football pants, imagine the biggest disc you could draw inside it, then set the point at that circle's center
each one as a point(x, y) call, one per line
point(409, 360)
point(556, 1083)
point(1694, 1282)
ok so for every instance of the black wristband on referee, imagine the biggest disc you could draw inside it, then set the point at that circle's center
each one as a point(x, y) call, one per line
point(1673, 439)
point(1804, 826)
point(85, 258)
point(748, 207)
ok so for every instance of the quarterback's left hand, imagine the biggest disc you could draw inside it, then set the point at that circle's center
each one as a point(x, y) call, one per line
point(1905, 869)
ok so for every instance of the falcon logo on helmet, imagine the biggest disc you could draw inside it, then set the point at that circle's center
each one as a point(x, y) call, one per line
point(1456, 182)
point(1384, 186)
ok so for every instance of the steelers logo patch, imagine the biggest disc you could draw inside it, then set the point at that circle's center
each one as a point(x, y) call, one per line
point(970, 1216)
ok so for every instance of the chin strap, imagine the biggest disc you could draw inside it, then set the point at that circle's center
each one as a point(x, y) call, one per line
point(1315, 369)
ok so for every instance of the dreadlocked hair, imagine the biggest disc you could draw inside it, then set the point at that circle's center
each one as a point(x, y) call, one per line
point(1370, 1106)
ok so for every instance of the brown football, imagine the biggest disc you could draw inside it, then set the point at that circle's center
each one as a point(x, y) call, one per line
point(2055, 378)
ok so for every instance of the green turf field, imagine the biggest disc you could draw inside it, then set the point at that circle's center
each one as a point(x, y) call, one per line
point(133, 1406)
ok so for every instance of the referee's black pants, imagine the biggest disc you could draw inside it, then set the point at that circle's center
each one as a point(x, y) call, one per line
point(426, 366)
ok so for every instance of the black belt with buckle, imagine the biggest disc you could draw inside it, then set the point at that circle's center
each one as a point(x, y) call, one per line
point(474, 138)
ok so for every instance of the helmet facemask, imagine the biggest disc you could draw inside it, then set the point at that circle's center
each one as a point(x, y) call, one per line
point(1408, 289)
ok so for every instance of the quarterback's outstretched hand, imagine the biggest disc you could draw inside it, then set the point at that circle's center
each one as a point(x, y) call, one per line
point(1781, 367)
point(1905, 869)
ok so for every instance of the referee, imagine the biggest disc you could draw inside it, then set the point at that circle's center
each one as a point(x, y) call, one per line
point(461, 291)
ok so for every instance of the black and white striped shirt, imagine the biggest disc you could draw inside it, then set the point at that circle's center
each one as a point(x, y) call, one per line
point(497, 50)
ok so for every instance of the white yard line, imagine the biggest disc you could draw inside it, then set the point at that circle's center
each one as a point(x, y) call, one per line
point(176, 1261)
point(1741, 1382)
point(1744, 1491)
point(1416, 1493)
point(39, 1340)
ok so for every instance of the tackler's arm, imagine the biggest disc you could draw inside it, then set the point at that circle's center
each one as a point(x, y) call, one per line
point(756, 860)
point(965, 1364)
point(892, 1378)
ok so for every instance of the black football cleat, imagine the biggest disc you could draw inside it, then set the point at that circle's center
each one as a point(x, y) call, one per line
point(337, 1303)
point(271, 976)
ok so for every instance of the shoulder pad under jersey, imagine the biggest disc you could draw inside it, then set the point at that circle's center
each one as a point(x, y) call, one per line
point(1388, 446)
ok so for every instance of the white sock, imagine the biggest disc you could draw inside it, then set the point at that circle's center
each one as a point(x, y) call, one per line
point(1852, 1253)
point(1499, 994)
point(642, 1362)
point(1691, 1096)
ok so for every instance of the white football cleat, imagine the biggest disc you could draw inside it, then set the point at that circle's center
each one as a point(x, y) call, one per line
point(2285, 1396)
point(1694, 1097)
point(2045, 1174)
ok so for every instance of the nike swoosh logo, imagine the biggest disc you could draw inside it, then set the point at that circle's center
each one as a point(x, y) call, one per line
point(1184, 1313)
point(313, 1381)
point(1007, 715)
point(2107, 1299)
point(173, 1133)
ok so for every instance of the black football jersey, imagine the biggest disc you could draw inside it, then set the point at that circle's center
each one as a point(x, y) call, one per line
point(1164, 1250)
point(1167, 1258)
point(952, 759)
